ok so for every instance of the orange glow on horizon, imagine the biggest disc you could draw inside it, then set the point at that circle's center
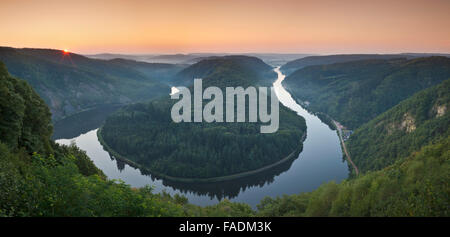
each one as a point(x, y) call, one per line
point(232, 26)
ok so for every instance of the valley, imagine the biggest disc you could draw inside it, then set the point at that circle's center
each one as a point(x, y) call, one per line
point(398, 152)
point(320, 161)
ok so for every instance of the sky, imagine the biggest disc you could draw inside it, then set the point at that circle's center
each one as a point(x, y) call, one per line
point(227, 26)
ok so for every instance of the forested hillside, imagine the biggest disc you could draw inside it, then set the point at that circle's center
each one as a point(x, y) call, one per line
point(414, 186)
point(355, 92)
point(41, 178)
point(294, 65)
point(403, 153)
point(413, 123)
point(24, 117)
point(145, 133)
point(70, 83)
point(161, 72)
point(213, 67)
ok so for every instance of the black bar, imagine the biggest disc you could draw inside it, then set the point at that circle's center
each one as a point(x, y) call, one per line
point(223, 226)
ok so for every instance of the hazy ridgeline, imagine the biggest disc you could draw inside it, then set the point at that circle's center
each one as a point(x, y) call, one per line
point(70, 83)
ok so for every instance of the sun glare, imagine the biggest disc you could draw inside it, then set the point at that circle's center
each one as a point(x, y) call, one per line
point(66, 51)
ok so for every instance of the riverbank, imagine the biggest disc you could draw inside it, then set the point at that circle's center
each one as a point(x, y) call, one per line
point(292, 155)
point(344, 147)
point(326, 119)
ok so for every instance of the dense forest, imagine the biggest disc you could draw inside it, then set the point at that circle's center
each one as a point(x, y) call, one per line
point(413, 123)
point(145, 133)
point(70, 83)
point(41, 178)
point(355, 92)
point(300, 63)
point(414, 186)
point(222, 70)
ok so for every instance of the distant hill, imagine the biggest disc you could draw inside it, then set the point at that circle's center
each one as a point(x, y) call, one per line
point(274, 59)
point(426, 54)
point(355, 92)
point(278, 59)
point(70, 83)
point(157, 58)
point(417, 121)
point(162, 72)
point(175, 58)
point(294, 65)
point(305, 61)
point(208, 67)
point(109, 56)
point(145, 134)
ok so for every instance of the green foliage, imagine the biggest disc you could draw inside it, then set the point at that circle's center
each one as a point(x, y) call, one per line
point(230, 71)
point(84, 164)
point(294, 65)
point(413, 123)
point(43, 186)
point(225, 208)
point(353, 93)
point(145, 133)
point(24, 117)
point(39, 185)
point(416, 186)
point(40, 178)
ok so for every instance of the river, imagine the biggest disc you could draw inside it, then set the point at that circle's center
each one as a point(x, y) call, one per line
point(319, 162)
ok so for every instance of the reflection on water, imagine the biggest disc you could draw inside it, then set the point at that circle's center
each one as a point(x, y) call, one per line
point(320, 161)
point(229, 189)
point(198, 193)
